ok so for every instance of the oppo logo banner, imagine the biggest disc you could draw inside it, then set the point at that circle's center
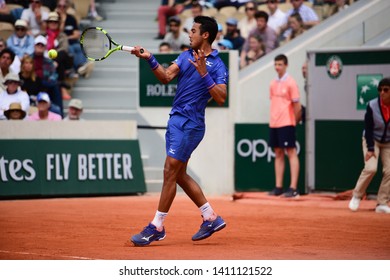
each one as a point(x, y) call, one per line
point(256, 149)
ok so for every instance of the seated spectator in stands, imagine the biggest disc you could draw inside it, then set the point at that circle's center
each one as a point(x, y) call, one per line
point(256, 50)
point(218, 38)
point(248, 23)
point(31, 83)
point(233, 34)
point(20, 42)
point(43, 113)
point(15, 66)
point(56, 39)
point(167, 9)
point(340, 5)
point(15, 112)
point(36, 17)
point(164, 47)
point(232, 3)
point(46, 71)
point(68, 24)
point(196, 10)
point(13, 94)
point(296, 25)
point(225, 45)
point(266, 33)
point(75, 110)
point(276, 18)
point(307, 14)
point(7, 56)
point(176, 36)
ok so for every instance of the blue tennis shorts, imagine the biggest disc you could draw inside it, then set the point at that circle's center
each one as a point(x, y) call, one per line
point(282, 137)
point(182, 137)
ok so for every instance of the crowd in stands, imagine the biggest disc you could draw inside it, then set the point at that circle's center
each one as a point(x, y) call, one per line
point(33, 86)
point(254, 28)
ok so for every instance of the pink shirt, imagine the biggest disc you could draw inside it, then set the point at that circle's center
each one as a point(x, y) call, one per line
point(283, 93)
point(51, 117)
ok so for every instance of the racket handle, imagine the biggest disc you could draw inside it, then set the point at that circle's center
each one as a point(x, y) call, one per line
point(129, 49)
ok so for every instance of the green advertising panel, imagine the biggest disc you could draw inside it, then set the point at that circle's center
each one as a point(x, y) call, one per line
point(70, 167)
point(366, 89)
point(339, 156)
point(155, 94)
point(254, 159)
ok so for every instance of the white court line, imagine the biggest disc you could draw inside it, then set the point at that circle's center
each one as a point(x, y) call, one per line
point(44, 255)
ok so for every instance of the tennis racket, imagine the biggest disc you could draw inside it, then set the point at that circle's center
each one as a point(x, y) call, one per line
point(96, 44)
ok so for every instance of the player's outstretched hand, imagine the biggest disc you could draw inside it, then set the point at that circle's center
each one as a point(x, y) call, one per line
point(199, 62)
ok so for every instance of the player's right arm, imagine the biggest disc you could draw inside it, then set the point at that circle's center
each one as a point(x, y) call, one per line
point(164, 75)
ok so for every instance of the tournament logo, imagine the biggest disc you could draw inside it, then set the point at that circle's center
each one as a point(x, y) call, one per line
point(334, 66)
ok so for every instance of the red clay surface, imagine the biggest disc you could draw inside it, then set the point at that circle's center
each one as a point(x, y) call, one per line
point(314, 227)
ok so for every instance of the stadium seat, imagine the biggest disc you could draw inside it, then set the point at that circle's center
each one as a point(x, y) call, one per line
point(6, 29)
point(227, 11)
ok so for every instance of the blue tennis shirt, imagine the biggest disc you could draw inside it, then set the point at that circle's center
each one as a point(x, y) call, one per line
point(192, 94)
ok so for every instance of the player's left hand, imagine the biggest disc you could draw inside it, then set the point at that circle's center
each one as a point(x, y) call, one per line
point(199, 62)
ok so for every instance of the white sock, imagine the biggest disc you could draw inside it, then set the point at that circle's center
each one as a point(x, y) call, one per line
point(207, 212)
point(158, 220)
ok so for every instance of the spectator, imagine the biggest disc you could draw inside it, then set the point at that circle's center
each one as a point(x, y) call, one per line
point(233, 34)
point(15, 66)
point(307, 14)
point(176, 37)
point(225, 45)
point(12, 94)
point(46, 71)
point(340, 5)
point(92, 11)
point(56, 39)
point(15, 112)
point(75, 110)
point(31, 83)
point(36, 17)
point(296, 25)
point(43, 113)
point(20, 42)
point(256, 50)
point(68, 24)
point(7, 56)
point(167, 9)
point(5, 14)
point(218, 38)
point(165, 47)
point(196, 10)
point(276, 17)
point(248, 23)
point(376, 143)
point(263, 31)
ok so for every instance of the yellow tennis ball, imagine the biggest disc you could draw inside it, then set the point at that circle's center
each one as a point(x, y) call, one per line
point(52, 53)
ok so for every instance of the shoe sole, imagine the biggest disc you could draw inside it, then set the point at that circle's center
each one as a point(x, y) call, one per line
point(381, 211)
point(146, 244)
point(220, 227)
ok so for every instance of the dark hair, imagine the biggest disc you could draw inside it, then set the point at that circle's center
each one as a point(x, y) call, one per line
point(8, 50)
point(252, 2)
point(384, 82)
point(165, 44)
point(298, 17)
point(207, 24)
point(281, 57)
point(261, 14)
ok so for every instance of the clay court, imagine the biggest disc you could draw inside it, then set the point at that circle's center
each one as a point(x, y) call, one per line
point(313, 227)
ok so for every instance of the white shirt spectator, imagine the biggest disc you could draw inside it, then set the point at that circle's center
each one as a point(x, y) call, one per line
point(276, 20)
point(18, 97)
point(29, 16)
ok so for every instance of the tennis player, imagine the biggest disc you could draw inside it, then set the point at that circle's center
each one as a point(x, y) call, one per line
point(201, 76)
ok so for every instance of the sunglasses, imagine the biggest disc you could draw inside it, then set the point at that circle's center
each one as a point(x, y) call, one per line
point(39, 45)
point(61, 6)
point(250, 9)
point(20, 29)
point(384, 89)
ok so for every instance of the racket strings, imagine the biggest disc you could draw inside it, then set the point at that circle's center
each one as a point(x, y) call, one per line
point(95, 44)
